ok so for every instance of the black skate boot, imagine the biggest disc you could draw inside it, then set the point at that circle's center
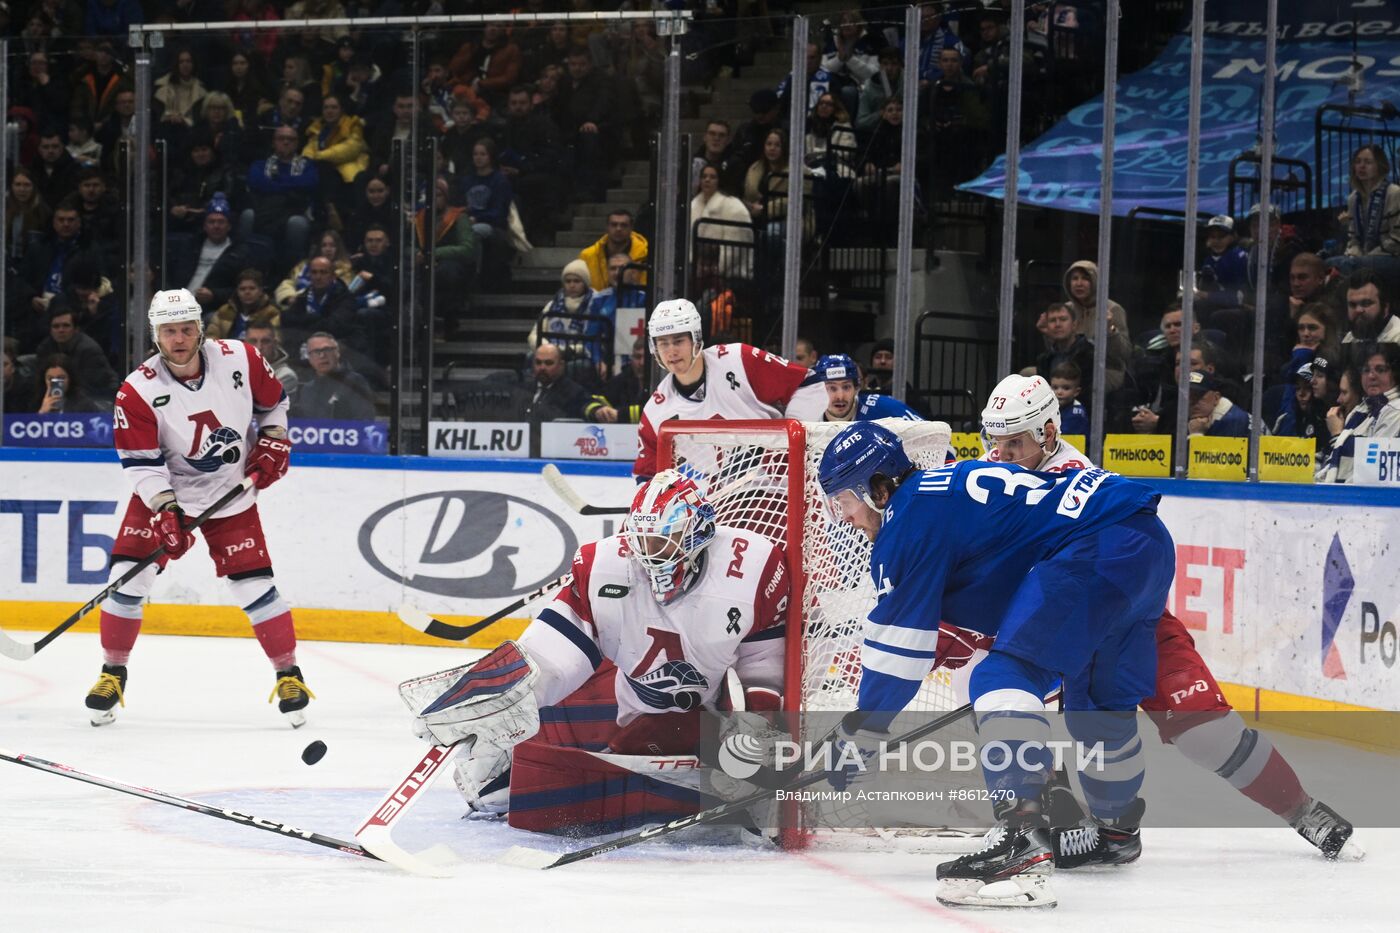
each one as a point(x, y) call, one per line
point(1094, 842)
point(1062, 808)
point(292, 695)
point(1013, 867)
point(1326, 829)
point(107, 693)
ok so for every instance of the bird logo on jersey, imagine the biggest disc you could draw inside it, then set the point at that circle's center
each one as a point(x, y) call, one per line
point(673, 685)
point(219, 448)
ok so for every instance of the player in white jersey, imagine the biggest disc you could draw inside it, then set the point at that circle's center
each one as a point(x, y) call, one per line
point(181, 425)
point(733, 381)
point(658, 623)
point(1020, 425)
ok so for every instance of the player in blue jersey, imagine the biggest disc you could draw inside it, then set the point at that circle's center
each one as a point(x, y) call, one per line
point(1069, 573)
point(841, 376)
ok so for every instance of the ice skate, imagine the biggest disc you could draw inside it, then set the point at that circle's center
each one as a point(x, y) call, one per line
point(1093, 842)
point(1326, 829)
point(1012, 869)
point(106, 694)
point(292, 695)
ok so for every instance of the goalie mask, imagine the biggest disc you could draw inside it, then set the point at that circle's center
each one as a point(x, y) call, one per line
point(667, 531)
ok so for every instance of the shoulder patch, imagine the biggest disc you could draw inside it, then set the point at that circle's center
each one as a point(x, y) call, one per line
point(160, 400)
point(612, 590)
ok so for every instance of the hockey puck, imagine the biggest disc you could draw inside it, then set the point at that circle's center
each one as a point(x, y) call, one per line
point(314, 752)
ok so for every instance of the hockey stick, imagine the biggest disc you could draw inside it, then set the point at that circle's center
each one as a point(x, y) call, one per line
point(20, 651)
point(437, 861)
point(556, 481)
point(233, 816)
point(416, 618)
point(524, 857)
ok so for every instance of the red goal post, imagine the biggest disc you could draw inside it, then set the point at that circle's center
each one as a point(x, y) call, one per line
point(753, 472)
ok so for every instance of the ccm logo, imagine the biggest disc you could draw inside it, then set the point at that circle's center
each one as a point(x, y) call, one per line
point(243, 545)
point(1198, 687)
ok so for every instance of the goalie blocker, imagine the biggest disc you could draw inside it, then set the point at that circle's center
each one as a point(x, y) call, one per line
point(590, 722)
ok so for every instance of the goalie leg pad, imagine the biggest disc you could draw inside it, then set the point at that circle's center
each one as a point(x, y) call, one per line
point(586, 718)
point(566, 791)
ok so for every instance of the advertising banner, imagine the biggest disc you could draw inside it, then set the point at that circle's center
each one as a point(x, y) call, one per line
point(1377, 461)
point(572, 440)
point(1286, 459)
point(491, 439)
point(1138, 454)
point(326, 436)
point(59, 429)
point(1224, 458)
point(1318, 42)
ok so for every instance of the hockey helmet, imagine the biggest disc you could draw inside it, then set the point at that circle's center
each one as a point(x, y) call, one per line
point(670, 525)
point(677, 316)
point(173, 306)
point(836, 367)
point(855, 457)
point(1019, 404)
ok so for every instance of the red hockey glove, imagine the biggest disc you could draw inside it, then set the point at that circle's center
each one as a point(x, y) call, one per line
point(956, 646)
point(169, 524)
point(268, 461)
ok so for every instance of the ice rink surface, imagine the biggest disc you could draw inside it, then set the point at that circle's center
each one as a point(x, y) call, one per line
point(74, 857)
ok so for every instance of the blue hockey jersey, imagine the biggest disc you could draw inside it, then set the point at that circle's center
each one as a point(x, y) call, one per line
point(955, 545)
point(873, 405)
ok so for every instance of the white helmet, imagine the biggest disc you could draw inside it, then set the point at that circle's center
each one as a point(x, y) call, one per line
point(173, 306)
point(1019, 404)
point(677, 316)
point(668, 528)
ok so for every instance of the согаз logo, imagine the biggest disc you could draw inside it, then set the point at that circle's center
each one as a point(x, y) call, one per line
point(470, 540)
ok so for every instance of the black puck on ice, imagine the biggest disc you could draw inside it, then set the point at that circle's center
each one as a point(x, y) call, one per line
point(314, 752)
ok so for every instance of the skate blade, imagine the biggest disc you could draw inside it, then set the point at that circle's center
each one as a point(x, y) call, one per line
point(1350, 851)
point(296, 717)
point(1020, 891)
point(102, 717)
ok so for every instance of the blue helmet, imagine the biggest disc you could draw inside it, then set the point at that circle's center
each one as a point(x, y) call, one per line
point(858, 453)
point(836, 367)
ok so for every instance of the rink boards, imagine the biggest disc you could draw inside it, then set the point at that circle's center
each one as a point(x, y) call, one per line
point(1291, 592)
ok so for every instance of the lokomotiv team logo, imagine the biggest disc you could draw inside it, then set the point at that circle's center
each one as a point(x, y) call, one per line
point(673, 685)
point(219, 447)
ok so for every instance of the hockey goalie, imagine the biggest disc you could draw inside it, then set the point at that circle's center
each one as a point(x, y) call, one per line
point(590, 722)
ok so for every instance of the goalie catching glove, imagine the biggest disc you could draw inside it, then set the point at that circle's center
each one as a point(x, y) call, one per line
point(489, 705)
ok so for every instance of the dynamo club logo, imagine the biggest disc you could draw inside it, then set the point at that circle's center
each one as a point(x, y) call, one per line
point(673, 685)
point(219, 448)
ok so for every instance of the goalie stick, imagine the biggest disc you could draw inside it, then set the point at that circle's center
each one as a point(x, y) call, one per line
point(524, 857)
point(376, 834)
point(20, 651)
point(147, 793)
point(416, 618)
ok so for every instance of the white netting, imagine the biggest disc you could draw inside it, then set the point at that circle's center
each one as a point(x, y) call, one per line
point(746, 474)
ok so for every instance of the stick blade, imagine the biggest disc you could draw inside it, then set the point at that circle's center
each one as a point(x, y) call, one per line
point(525, 857)
point(414, 617)
point(436, 862)
point(15, 650)
point(561, 488)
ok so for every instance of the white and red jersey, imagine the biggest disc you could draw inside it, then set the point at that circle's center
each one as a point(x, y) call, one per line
point(1064, 457)
point(193, 437)
point(672, 657)
point(740, 382)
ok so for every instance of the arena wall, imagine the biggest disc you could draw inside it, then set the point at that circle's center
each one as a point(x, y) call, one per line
point(1291, 591)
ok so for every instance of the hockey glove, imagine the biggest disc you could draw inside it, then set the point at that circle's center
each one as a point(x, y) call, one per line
point(268, 461)
point(170, 527)
point(957, 646)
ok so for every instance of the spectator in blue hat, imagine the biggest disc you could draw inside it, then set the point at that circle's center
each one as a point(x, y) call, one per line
point(209, 266)
point(1305, 413)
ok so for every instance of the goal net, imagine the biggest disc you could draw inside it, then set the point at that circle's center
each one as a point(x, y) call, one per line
point(761, 476)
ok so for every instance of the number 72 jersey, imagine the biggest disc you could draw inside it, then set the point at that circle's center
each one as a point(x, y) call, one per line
point(957, 542)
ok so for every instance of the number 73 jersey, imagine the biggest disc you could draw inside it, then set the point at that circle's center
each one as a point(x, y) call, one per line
point(669, 658)
point(193, 438)
point(957, 542)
